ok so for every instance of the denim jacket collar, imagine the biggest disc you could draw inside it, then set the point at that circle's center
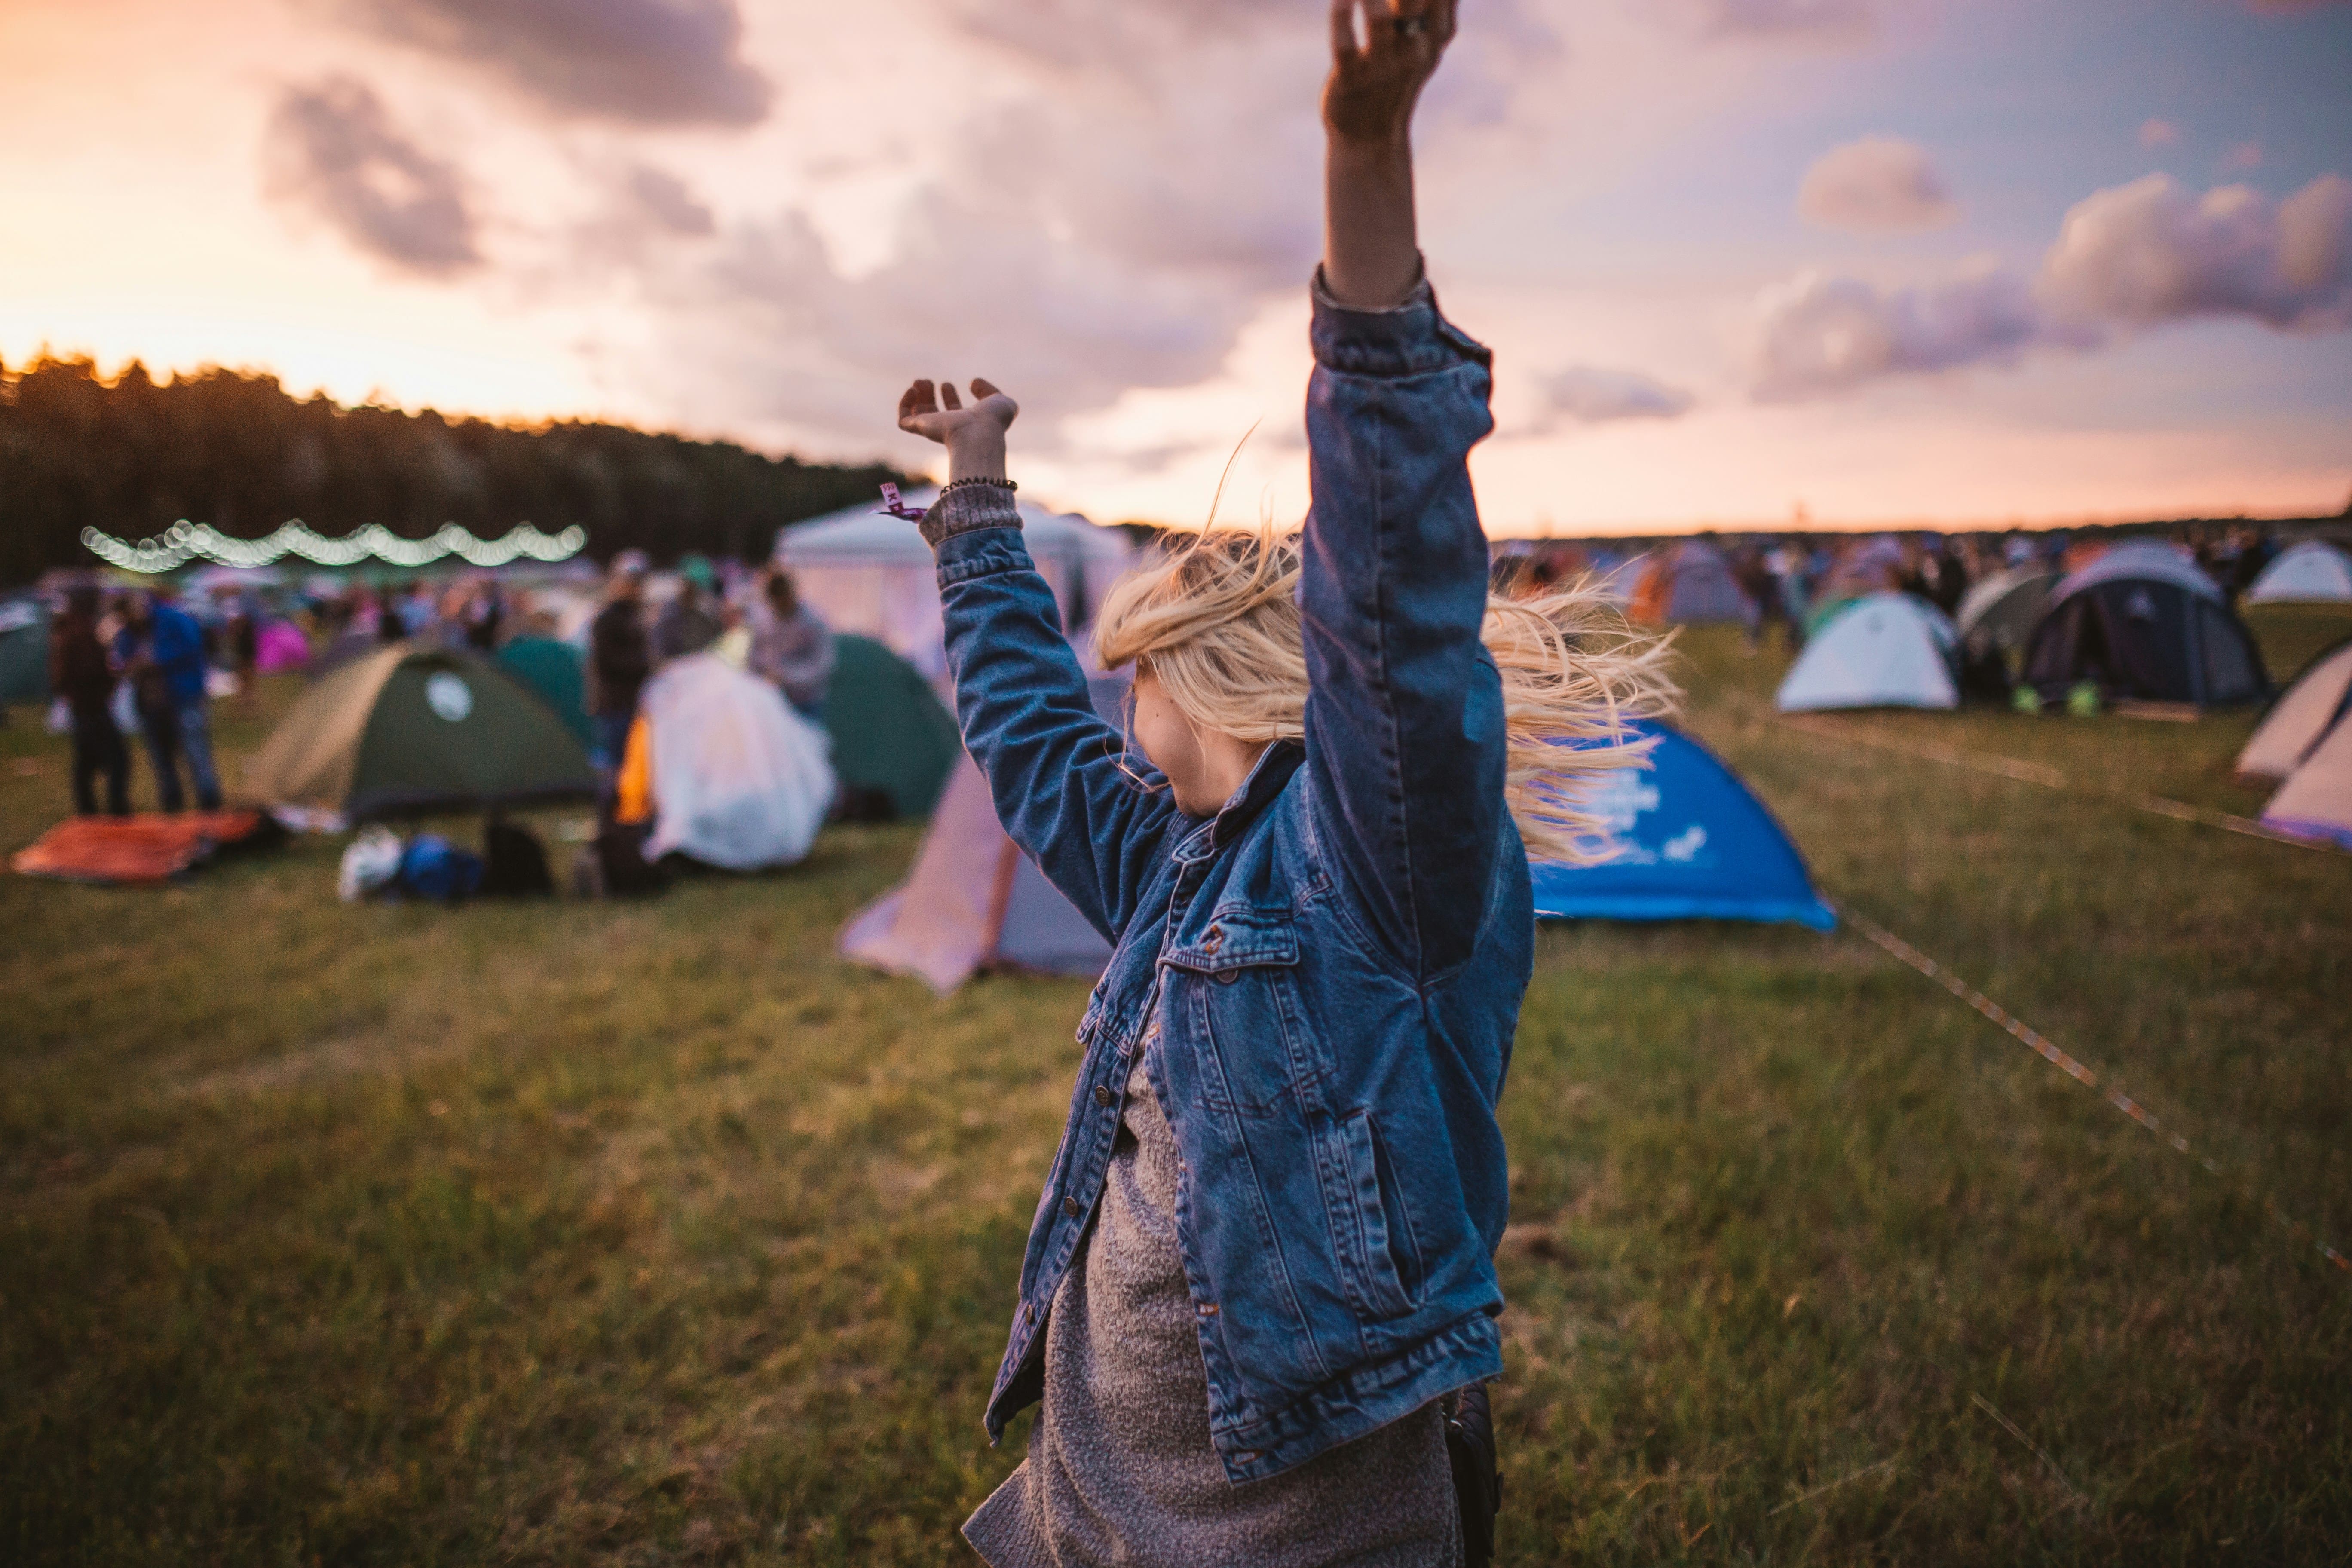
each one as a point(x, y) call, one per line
point(1268, 776)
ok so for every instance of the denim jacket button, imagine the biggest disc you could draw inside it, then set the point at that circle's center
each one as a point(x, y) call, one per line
point(1208, 1308)
point(1102, 1095)
point(1227, 976)
point(1070, 1207)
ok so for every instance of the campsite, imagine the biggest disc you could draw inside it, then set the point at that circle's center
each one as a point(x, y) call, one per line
point(569, 1231)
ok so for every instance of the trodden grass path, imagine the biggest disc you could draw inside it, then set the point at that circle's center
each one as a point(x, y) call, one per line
point(578, 1233)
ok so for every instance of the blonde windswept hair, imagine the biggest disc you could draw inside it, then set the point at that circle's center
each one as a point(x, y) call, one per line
point(1216, 619)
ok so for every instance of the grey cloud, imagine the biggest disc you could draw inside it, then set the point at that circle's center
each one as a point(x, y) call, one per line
point(2151, 252)
point(2129, 258)
point(1825, 335)
point(655, 62)
point(331, 148)
point(1585, 395)
point(1880, 184)
point(782, 330)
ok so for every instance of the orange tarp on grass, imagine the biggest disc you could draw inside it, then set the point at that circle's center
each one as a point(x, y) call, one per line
point(153, 847)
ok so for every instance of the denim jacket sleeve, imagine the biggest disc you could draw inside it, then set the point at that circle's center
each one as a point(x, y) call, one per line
point(1054, 767)
point(1405, 717)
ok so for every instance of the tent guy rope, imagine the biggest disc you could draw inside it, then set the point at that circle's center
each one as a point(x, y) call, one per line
point(2050, 1051)
point(2051, 778)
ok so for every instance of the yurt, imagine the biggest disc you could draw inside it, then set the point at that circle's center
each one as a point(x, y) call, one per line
point(973, 900)
point(894, 741)
point(738, 780)
point(2301, 718)
point(1690, 842)
point(2144, 623)
point(412, 729)
point(2311, 572)
point(1688, 584)
point(866, 571)
point(1887, 651)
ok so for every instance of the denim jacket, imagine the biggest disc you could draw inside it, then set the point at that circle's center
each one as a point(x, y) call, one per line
point(1324, 978)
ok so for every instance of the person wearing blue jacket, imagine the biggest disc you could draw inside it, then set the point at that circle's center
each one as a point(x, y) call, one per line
point(1258, 1301)
point(162, 650)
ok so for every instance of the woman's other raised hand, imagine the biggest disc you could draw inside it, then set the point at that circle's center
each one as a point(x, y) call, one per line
point(1377, 74)
point(974, 436)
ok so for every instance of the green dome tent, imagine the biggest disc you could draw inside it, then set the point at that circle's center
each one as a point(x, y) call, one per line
point(892, 737)
point(558, 674)
point(23, 652)
point(414, 729)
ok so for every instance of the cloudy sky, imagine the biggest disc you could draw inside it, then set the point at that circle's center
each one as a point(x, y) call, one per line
point(1966, 260)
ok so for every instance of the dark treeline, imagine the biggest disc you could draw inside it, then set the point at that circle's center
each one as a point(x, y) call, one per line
point(133, 456)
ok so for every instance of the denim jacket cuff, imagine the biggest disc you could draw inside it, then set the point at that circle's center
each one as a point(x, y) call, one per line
point(980, 550)
point(968, 509)
point(1412, 338)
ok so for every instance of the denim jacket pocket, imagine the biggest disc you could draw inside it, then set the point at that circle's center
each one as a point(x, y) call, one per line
point(1369, 1229)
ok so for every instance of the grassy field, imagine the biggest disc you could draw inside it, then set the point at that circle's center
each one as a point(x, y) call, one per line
point(617, 1234)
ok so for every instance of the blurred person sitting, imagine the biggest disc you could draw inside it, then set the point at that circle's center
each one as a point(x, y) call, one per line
point(484, 616)
point(619, 659)
point(82, 678)
point(163, 653)
point(791, 646)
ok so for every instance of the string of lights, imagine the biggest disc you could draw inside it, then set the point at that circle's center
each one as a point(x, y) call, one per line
point(184, 542)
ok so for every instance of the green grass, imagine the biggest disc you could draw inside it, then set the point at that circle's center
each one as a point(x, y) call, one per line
point(578, 1233)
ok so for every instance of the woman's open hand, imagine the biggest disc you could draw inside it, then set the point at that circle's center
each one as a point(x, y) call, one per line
point(1376, 82)
point(974, 436)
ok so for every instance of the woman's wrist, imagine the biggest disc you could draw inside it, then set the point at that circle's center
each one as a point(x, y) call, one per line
point(976, 451)
point(1372, 251)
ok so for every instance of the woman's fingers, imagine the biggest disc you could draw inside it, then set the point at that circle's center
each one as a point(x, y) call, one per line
point(917, 400)
point(981, 387)
point(948, 399)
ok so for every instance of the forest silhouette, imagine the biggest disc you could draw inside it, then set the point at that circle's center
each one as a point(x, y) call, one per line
point(132, 455)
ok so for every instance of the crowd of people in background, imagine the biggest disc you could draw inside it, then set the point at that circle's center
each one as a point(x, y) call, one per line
point(139, 664)
point(142, 664)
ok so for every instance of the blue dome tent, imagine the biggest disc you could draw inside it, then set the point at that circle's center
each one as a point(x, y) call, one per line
point(1695, 844)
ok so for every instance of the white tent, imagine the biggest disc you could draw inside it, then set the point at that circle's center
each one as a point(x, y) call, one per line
point(866, 571)
point(2311, 572)
point(2301, 718)
point(2316, 802)
point(1885, 650)
point(740, 780)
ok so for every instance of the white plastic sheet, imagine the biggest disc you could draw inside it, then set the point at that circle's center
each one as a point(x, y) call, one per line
point(740, 780)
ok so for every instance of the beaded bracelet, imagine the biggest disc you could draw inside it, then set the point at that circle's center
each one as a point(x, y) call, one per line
point(954, 485)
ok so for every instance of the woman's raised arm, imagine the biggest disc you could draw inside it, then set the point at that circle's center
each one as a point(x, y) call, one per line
point(1405, 742)
point(1371, 254)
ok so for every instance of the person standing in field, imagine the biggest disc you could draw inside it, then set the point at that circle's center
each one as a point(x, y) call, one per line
point(162, 651)
point(1258, 1303)
point(620, 658)
point(82, 678)
point(791, 646)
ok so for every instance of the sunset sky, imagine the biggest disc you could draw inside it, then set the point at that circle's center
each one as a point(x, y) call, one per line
point(1889, 260)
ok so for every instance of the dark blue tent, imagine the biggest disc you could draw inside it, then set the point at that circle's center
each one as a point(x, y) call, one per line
point(1694, 845)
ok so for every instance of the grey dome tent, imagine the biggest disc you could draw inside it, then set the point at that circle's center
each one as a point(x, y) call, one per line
point(1887, 651)
point(2143, 623)
point(2000, 614)
point(414, 729)
point(1688, 583)
point(2311, 572)
point(973, 900)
